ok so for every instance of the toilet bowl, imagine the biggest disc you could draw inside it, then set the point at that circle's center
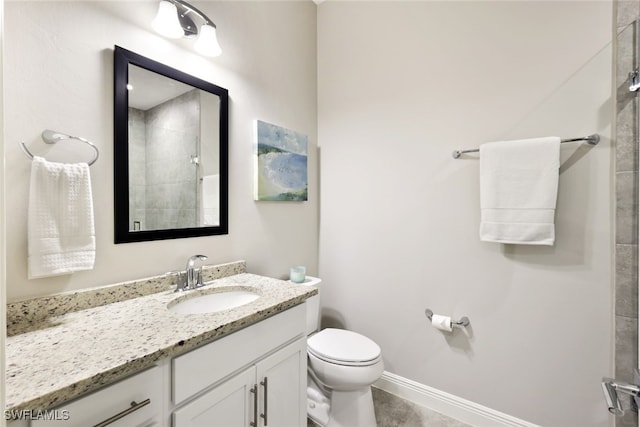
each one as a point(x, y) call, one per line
point(342, 365)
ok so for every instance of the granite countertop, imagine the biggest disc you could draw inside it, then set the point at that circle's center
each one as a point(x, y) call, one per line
point(65, 355)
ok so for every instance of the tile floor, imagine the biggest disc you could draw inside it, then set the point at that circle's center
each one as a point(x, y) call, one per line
point(392, 411)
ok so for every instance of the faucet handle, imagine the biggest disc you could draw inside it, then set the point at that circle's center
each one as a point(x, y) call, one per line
point(199, 278)
point(181, 279)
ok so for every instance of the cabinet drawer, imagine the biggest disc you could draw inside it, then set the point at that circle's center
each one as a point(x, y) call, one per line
point(115, 399)
point(200, 368)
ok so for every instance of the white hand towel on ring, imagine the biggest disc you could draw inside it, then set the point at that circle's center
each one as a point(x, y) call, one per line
point(61, 233)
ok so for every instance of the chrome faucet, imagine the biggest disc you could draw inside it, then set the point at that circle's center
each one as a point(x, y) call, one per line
point(192, 276)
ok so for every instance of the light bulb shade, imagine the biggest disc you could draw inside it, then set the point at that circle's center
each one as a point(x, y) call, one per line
point(166, 21)
point(207, 43)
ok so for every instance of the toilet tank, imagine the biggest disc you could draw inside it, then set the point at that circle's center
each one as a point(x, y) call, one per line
point(313, 305)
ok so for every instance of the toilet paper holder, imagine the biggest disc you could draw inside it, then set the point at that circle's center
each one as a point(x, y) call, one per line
point(463, 322)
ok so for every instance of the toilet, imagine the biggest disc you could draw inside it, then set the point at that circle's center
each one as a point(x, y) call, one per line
point(342, 365)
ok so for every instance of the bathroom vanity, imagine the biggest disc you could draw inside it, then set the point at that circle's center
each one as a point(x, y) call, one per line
point(134, 362)
point(266, 382)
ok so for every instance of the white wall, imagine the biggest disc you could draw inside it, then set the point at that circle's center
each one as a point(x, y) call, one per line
point(58, 74)
point(400, 86)
point(3, 262)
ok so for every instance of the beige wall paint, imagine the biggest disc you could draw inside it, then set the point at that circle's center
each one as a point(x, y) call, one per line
point(58, 75)
point(400, 86)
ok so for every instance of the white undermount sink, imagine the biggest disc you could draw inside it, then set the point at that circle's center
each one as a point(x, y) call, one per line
point(213, 302)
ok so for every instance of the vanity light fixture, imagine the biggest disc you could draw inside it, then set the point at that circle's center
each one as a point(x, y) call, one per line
point(174, 21)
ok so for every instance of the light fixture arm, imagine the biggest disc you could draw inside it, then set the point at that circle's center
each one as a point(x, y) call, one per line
point(181, 4)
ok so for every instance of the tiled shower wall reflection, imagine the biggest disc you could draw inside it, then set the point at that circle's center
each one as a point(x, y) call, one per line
point(626, 256)
point(163, 184)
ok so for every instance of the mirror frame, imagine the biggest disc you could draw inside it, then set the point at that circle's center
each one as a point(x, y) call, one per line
point(122, 59)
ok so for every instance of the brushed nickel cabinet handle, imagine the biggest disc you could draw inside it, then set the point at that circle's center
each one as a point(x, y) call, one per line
point(134, 407)
point(254, 390)
point(264, 384)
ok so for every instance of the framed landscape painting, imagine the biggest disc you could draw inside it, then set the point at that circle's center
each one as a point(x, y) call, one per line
point(280, 163)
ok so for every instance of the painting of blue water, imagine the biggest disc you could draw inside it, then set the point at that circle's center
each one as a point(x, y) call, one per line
point(281, 163)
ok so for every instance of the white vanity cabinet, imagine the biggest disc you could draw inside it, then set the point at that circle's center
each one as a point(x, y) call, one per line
point(269, 393)
point(228, 405)
point(253, 377)
point(133, 402)
point(282, 387)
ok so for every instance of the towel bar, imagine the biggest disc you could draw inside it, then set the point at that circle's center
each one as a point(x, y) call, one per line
point(591, 139)
point(51, 137)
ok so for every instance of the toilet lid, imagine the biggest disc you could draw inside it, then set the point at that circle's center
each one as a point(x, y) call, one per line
point(343, 347)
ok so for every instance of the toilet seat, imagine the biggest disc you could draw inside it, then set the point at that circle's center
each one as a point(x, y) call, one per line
point(342, 347)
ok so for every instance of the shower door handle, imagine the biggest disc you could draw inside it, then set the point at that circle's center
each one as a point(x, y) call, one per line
point(634, 81)
point(612, 387)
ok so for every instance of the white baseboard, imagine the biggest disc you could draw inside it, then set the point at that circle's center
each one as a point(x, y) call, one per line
point(447, 404)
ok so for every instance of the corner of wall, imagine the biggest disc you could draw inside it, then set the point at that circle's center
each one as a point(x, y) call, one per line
point(626, 206)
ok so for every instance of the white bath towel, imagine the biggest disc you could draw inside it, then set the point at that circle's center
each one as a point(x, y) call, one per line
point(518, 190)
point(61, 234)
point(211, 199)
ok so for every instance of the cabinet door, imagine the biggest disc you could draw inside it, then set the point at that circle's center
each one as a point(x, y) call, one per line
point(228, 405)
point(282, 382)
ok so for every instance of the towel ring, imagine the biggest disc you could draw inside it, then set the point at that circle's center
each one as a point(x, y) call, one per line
point(51, 137)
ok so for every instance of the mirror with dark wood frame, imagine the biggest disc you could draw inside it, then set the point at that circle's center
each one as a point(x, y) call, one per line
point(170, 152)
